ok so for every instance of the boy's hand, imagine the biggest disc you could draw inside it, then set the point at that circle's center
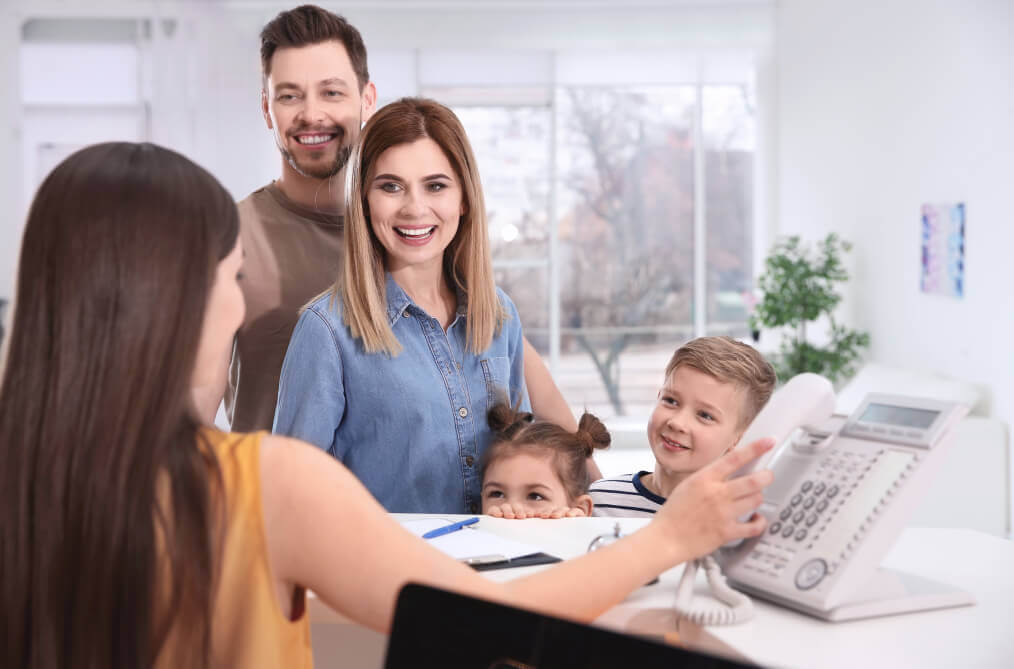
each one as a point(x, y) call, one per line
point(518, 512)
point(702, 512)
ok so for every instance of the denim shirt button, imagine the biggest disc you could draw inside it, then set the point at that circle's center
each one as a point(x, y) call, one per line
point(462, 412)
point(473, 508)
point(469, 460)
point(405, 314)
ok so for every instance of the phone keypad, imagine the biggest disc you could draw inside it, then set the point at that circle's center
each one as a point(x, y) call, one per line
point(839, 485)
point(819, 497)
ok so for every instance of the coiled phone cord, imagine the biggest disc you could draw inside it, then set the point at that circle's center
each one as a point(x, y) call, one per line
point(737, 607)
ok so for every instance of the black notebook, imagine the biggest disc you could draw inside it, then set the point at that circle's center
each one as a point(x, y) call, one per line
point(522, 561)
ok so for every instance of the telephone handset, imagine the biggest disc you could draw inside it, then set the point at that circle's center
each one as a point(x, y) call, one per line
point(843, 489)
point(804, 403)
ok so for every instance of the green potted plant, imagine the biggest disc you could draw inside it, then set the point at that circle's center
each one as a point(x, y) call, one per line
point(799, 285)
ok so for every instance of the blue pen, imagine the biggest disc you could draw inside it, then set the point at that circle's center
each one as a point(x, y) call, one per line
point(447, 529)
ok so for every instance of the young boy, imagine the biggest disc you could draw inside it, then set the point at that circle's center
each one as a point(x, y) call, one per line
point(714, 387)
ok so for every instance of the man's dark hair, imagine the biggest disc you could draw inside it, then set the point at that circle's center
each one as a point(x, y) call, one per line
point(307, 25)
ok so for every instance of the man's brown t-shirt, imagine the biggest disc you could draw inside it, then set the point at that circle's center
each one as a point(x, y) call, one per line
point(291, 254)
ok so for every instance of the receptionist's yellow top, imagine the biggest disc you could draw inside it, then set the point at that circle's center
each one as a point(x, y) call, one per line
point(248, 628)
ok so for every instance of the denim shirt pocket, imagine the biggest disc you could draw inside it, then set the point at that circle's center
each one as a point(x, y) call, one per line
point(497, 374)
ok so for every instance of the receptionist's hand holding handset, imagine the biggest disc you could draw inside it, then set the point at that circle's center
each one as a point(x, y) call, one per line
point(805, 401)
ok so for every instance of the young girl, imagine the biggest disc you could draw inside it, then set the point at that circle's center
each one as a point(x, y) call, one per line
point(538, 469)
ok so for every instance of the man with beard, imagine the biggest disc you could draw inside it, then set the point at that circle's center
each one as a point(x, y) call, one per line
point(316, 95)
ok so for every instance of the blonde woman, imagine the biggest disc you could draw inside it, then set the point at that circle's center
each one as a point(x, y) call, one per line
point(394, 370)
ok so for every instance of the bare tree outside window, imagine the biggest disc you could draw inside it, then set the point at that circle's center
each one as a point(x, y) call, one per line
point(626, 226)
point(624, 182)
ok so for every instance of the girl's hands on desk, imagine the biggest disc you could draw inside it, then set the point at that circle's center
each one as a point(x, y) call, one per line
point(518, 512)
point(703, 511)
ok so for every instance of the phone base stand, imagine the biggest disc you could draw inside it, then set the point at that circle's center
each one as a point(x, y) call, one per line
point(889, 592)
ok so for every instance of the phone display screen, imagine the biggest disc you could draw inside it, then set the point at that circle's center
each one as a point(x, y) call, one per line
point(887, 414)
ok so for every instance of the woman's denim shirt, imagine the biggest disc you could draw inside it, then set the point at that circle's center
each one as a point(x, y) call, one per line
point(411, 427)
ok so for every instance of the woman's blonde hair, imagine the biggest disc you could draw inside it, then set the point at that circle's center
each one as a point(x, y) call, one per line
point(467, 263)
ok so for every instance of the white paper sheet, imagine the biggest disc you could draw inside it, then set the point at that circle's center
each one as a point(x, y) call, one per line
point(470, 544)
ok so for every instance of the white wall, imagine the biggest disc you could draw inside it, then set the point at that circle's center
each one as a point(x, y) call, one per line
point(884, 106)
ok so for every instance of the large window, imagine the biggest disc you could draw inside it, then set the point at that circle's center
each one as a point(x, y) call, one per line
point(729, 143)
point(512, 146)
point(621, 221)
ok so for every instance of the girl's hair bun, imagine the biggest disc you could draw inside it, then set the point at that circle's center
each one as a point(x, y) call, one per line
point(592, 433)
point(505, 420)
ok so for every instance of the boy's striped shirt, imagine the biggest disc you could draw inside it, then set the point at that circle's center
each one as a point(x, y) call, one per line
point(624, 497)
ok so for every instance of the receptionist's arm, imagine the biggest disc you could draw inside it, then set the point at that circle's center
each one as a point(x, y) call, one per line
point(325, 532)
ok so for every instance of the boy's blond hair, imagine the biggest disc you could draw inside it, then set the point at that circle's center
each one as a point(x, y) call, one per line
point(729, 361)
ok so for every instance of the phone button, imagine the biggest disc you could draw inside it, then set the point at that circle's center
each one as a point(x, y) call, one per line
point(787, 532)
point(775, 526)
point(786, 513)
point(811, 573)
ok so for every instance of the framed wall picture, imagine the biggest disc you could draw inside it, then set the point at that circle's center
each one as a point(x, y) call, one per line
point(943, 249)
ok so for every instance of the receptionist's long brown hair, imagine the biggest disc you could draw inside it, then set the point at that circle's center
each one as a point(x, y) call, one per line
point(108, 526)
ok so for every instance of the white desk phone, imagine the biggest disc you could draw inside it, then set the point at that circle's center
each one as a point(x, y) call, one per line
point(842, 492)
